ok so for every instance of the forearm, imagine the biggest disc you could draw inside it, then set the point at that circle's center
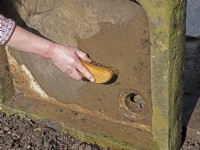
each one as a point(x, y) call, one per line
point(26, 41)
point(67, 59)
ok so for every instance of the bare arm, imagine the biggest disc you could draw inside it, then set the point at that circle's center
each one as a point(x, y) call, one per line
point(24, 40)
point(67, 59)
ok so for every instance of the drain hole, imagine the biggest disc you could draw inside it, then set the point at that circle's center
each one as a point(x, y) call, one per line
point(134, 102)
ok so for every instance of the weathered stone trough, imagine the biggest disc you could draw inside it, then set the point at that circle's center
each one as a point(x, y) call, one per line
point(143, 39)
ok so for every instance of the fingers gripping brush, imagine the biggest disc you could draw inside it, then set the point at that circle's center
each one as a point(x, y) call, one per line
point(102, 74)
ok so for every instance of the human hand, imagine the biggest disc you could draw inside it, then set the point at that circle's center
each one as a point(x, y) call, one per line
point(67, 59)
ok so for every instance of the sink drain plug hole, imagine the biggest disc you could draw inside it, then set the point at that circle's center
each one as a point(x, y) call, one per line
point(132, 104)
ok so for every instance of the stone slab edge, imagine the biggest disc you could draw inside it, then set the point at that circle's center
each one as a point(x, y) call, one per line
point(167, 33)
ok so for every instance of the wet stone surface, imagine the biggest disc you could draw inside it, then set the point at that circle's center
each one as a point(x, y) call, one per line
point(17, 133)
point(23, 134)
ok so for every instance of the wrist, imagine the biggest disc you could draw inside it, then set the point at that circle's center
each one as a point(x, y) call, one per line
point(50, 50)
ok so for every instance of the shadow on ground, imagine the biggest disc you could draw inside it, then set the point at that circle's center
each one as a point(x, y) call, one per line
point(191, 102)
point(191, 78)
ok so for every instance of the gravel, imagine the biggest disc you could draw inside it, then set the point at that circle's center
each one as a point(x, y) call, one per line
point(25, 134)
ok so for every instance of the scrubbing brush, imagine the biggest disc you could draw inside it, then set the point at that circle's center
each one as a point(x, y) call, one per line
point(101, 73)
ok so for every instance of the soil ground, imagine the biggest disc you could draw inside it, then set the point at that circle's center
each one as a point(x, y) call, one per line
point(21, 134)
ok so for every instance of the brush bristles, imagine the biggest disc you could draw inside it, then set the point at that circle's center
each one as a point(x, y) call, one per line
point(113, 69)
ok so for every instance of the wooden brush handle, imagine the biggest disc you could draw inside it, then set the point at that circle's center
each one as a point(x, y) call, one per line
point(100, 73)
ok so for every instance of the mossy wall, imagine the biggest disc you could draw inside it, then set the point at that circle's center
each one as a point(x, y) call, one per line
point(167, 25)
